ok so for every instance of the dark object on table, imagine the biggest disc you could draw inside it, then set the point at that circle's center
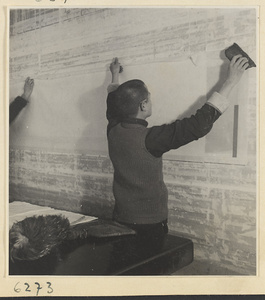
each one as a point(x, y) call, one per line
point(98, 228)
point(235, 50)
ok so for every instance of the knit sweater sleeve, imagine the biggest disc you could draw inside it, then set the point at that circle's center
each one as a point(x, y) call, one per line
point(161, 139)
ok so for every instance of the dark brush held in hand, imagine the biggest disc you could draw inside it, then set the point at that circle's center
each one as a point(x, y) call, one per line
point(235, 50)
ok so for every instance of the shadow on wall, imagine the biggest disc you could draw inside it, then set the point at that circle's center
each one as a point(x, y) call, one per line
point(93, 162)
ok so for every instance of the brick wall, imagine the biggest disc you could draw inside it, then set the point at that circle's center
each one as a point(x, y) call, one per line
point(215, 206)
point(76, 183)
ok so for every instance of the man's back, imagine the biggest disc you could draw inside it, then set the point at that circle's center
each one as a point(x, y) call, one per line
point(139, 190)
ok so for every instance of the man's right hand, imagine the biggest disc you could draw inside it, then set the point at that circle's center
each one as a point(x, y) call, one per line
point(236, 69)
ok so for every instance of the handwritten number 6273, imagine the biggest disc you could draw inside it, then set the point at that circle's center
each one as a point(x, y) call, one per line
point(38, 286)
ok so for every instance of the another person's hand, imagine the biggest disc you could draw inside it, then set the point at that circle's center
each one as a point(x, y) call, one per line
point(28, 88)
point(236, 69)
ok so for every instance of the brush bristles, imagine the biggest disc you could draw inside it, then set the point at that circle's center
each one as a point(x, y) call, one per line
point(36, 236)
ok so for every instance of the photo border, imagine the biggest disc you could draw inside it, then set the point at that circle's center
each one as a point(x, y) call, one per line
point(140, 285)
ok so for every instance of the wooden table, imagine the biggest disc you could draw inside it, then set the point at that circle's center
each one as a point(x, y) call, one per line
point(111, 256)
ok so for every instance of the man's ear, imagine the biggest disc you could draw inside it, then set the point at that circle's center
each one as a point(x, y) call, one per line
point(142, 105)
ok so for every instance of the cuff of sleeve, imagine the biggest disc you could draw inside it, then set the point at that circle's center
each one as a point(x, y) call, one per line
point(219, 102)
point(112, 87)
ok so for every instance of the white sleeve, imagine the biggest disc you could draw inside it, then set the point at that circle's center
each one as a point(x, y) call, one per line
point(219, 102)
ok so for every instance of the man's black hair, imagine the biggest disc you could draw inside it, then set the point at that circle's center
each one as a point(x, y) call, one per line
point(129, 95)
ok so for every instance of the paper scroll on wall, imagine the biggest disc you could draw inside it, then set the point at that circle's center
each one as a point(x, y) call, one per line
point(177, 52)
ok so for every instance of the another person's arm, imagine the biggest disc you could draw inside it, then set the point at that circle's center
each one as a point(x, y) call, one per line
point(161, 139)
point(21, 101)
point(113, 114)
